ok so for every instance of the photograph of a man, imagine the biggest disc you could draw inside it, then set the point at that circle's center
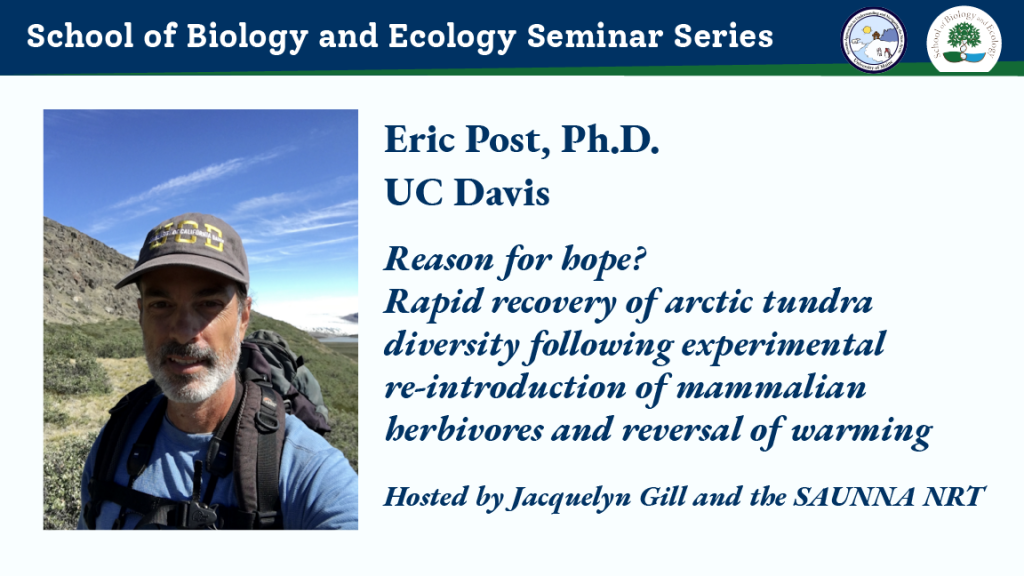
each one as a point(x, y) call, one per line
point(207, 443)
point(241, 228)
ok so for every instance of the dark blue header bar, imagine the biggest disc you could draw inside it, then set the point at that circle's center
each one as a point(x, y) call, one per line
point(302, 36)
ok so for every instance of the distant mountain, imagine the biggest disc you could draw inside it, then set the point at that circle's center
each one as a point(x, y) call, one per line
point(79, 274)
point(331, 331)
point(327, 332)
point(890, 35)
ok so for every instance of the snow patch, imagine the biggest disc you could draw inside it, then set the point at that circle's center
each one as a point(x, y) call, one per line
point(337, 316)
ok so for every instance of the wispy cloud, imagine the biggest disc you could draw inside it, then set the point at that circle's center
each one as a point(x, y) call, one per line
point(129, 250)
point(316, 227)
point(253, 206)
point(265, 258)
point(275, 254)
point(128, 209)
point(325, 242)
point(253, 236)
point(182, 183)
point(263, 202)
point(307, 220)
point(111, 221)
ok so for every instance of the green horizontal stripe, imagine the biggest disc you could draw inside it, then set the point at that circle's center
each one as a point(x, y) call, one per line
point(906, 69)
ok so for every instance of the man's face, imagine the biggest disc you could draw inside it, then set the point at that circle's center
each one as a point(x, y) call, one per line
point(192, 330)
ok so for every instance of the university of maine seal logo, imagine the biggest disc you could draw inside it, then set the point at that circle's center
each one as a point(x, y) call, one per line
point(874, 40)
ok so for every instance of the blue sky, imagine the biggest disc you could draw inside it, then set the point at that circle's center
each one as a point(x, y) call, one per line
point(286, 180)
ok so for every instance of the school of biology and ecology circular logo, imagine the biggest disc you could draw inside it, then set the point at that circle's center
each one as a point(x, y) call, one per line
point(964, 39)
point(874, 40)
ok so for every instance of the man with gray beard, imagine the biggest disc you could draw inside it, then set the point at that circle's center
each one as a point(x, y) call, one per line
point(198, 447)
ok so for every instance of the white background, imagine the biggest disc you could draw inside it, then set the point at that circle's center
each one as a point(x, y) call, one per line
point(887, 187)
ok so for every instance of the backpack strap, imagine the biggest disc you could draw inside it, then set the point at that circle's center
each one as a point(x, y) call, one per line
point(197, 512)
point(220, 451)
point(112, 443)
point(142, 450)
point(268, 457)
point(189, 514)
point(259, 440)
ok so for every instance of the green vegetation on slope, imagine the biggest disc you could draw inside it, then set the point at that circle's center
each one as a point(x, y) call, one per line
point(69, 364)
point(62, 480)
point(113, 339)
point(348, 349)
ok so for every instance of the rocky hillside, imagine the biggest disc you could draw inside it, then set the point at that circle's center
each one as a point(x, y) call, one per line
point(79, 274)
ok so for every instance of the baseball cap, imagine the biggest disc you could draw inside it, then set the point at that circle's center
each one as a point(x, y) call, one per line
point(193, 239)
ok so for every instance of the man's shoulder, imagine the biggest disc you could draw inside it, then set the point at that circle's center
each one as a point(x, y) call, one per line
point(298, 436)
point(319, 488)
point(307, 454)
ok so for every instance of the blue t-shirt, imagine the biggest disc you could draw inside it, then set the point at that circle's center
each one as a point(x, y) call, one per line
point(318, 488)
